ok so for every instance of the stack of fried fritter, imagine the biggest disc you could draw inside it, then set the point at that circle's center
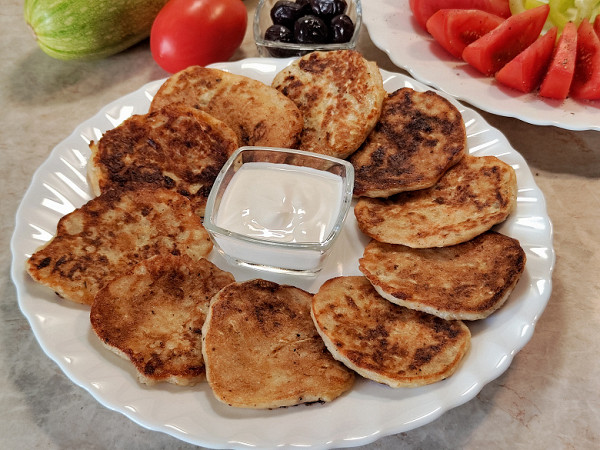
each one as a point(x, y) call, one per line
point(136, 253)
point(427, 204)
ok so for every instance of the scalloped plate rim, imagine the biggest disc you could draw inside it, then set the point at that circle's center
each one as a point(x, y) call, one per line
point(282, 428)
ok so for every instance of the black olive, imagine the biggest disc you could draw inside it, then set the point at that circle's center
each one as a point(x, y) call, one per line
point(328, 9)
point(305, 5)
point(286, 12)
point(310, 30)
point(341, 5)
point(279, 33)
point(342, 29)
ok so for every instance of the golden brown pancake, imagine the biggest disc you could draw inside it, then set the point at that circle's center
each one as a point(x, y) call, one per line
point(466, 281)
point(111, 233)
point(153, 316)
point(258, 114)
point(176, 147)
point(385, 342)
point(418, 137)
point(471, 197)
point(339, 94)
point(261, 349)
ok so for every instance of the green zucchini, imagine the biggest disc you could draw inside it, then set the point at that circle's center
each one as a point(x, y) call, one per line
point(90, 29)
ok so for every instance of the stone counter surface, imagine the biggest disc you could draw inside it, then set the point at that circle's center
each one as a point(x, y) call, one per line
point(549, 398)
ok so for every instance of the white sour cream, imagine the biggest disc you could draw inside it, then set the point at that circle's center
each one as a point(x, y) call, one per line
point(280, 202)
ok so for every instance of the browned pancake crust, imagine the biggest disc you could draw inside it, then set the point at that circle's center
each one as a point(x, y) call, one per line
point(417, 138)
point(153, 316)
point(110, 234)
point(257, 113)
point(176, 147)
point(261, 348)
point(384, 342)
point(471, 197)
point(466, 281)
point(339, 94)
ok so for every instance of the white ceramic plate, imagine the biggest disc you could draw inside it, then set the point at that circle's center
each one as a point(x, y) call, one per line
point(370, 410)
point(393, 29)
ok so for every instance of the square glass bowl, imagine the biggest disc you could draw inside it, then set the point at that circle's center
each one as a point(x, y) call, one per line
point(292, 180)
point(262, 21)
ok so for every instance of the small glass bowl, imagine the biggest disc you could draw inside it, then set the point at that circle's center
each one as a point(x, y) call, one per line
point(262, 21)
point(272, 255)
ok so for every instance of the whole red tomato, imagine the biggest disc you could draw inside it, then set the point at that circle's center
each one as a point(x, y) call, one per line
point(197, 32)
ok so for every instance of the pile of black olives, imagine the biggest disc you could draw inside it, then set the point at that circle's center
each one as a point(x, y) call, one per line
point(309, 22)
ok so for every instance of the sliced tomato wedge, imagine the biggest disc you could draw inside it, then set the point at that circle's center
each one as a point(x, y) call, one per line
point(491, 52)
point(597, 25)
point(557, 82)
point(586, 79)
point(454, 29)
point(424, 9)
point(519, 6)
point(526, 71)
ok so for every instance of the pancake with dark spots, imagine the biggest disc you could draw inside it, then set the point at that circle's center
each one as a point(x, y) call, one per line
point(153, 316)
point(471, 197)
point(467, 281)
point(418, 137)
point(385, 342)
point(111, 233)
point(258, 114)
point(176, 147)
point(339, 94)
point(261, 349)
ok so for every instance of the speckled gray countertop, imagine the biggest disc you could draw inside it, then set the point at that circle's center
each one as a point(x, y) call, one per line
point(548, 398)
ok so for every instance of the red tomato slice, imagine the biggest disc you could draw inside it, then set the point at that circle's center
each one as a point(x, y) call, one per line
point(586, 79)
point(557, 81)
point(597, 25)
point(454, 29)
point(526, 71)
point(424, 9)
point(492, 51)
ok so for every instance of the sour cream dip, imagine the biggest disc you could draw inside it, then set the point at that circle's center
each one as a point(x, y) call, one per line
point(279, 217)
point(281, 202)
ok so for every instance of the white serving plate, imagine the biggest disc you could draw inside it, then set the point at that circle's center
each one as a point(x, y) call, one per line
point(394, 30)
point(367, 413)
